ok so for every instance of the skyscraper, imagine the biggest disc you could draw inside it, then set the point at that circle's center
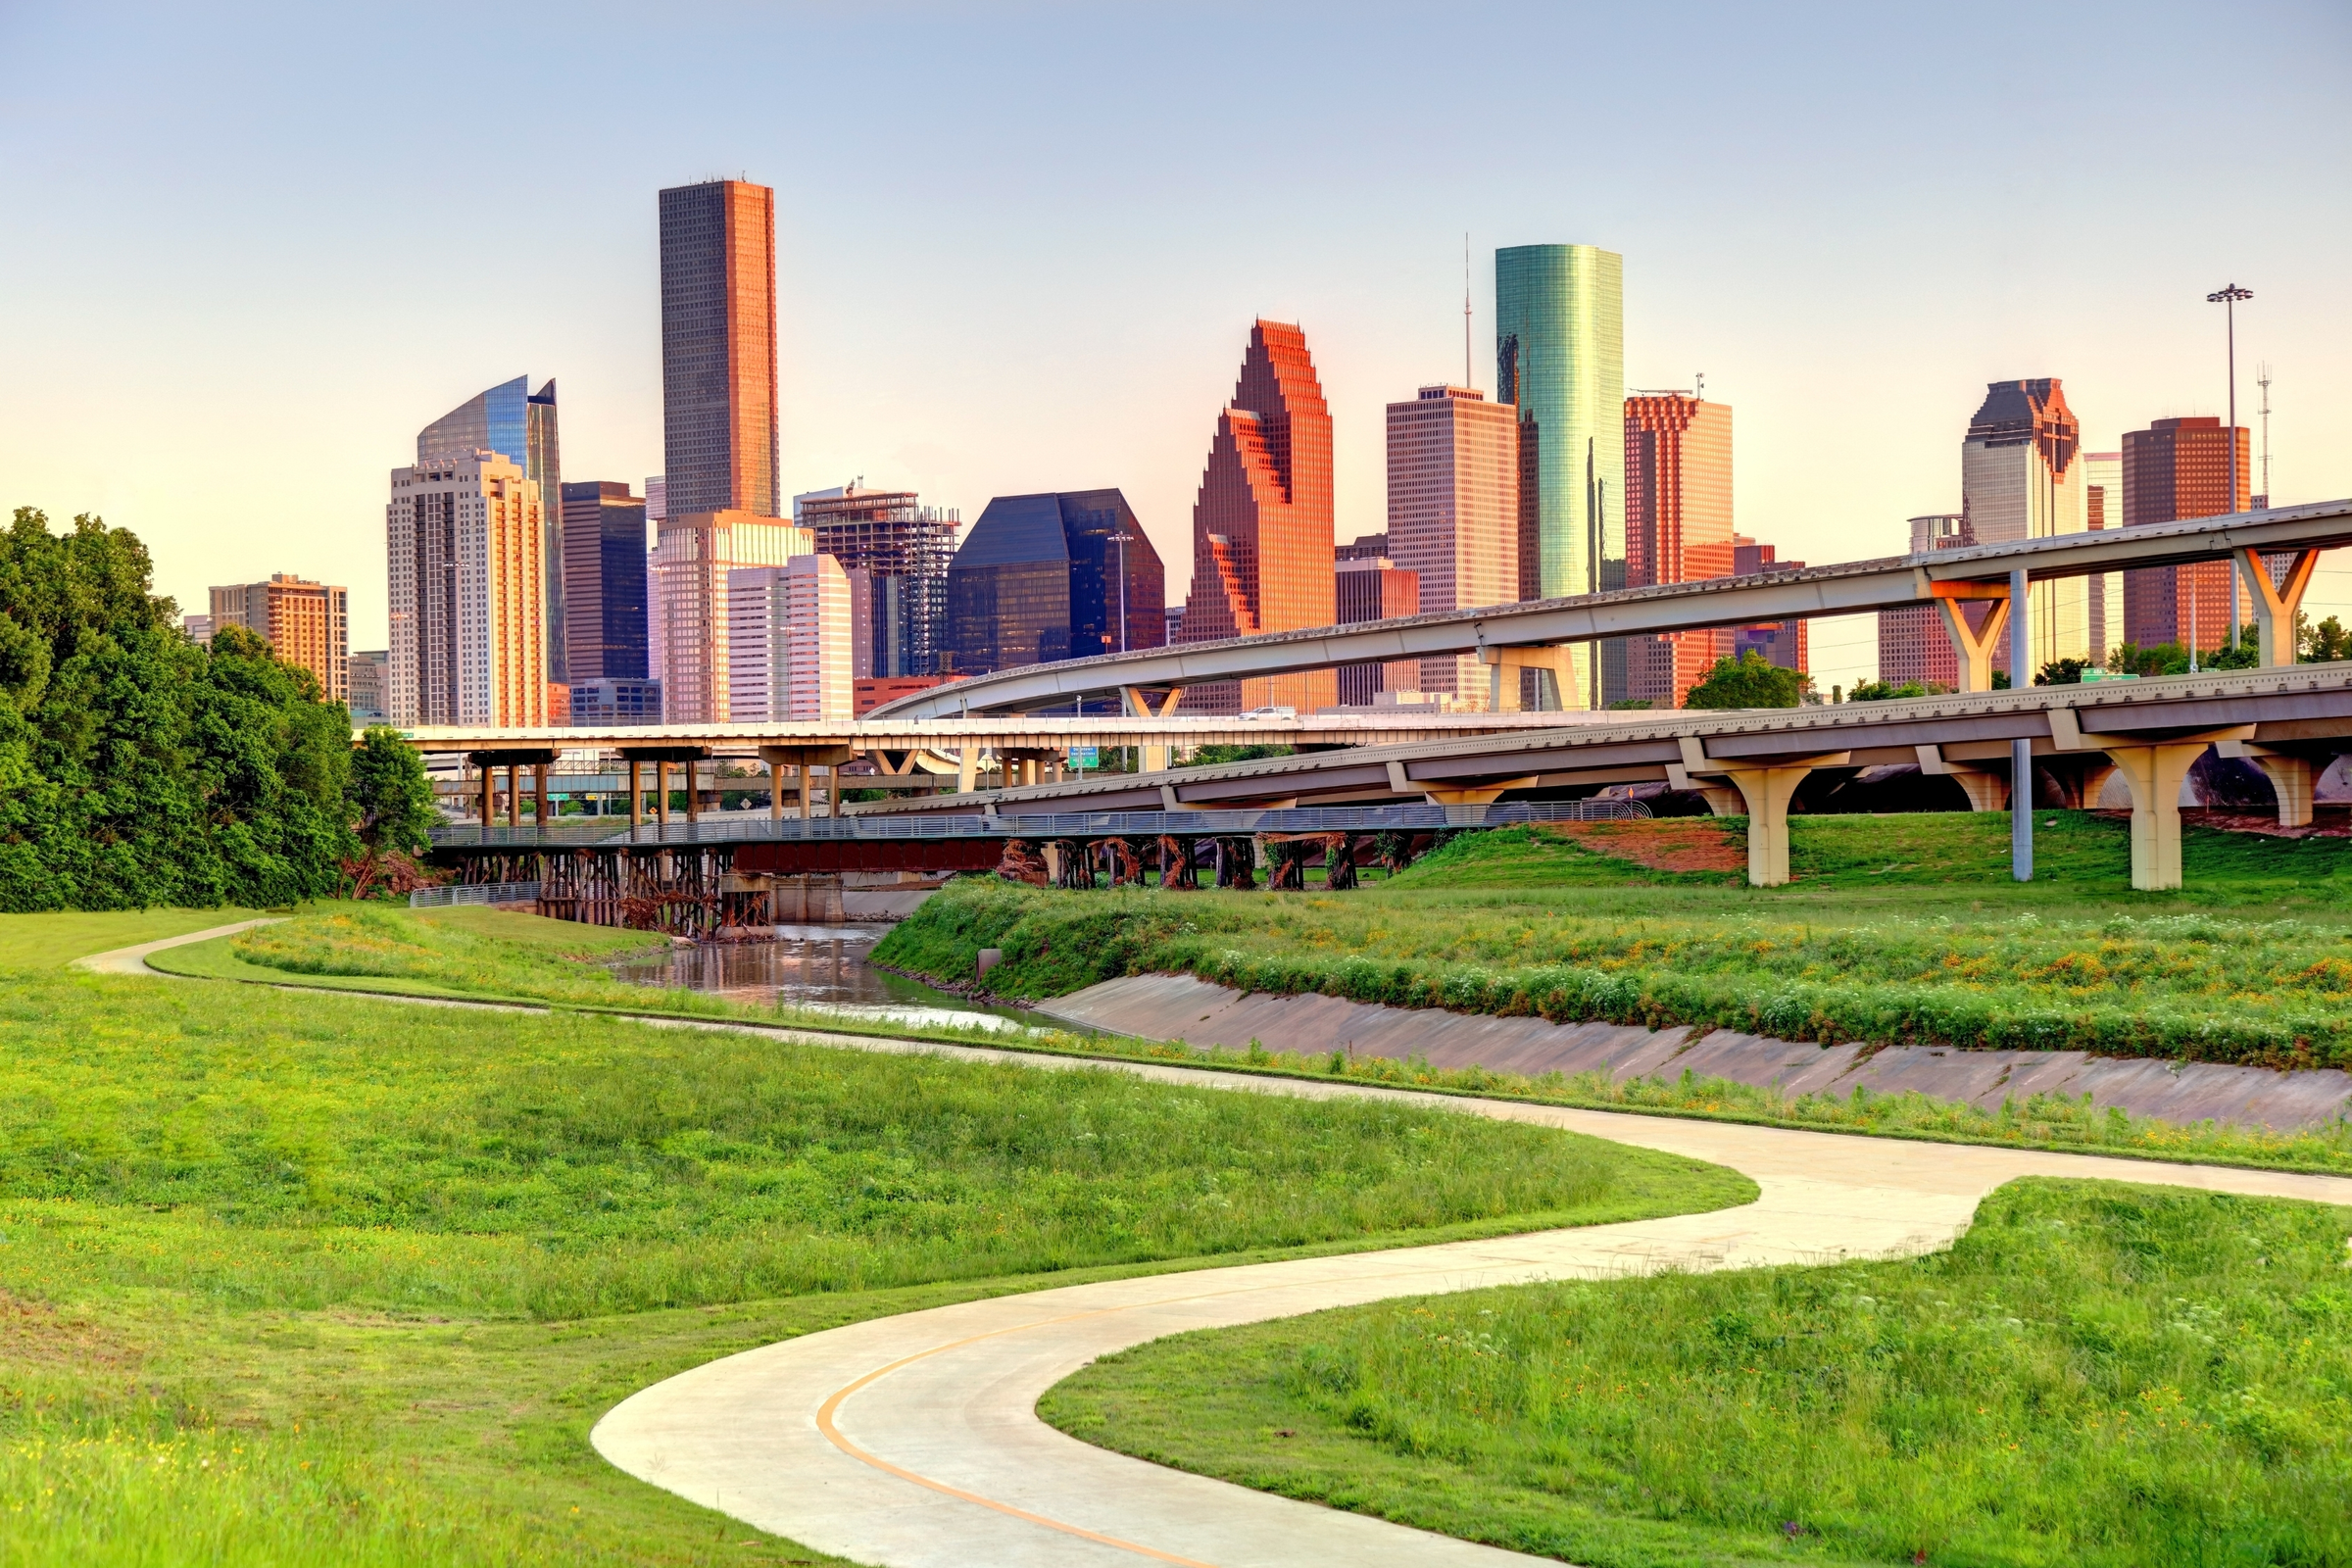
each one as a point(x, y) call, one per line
point(519, 426)
point(604, 581)
point(1372, 587)
point(2103, 509)
point(1678, 528)
point(1038, 580)
point(718, 348)
point(2173, 470)
point(1262, 523)
point(1454, 515)
point(1560, 352)
point(788, 636)
point(304, 622)
point(2021, 478)
point(697, 552)
point(369, 669)
point(1913, 644)
point(466, 540)
point(904, 547)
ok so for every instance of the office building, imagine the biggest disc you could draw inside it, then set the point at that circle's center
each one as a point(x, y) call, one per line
point(788, 636)
point(1678, 528)
point(696, 554)
point(1559, 350)
point(718, 348)
point(1913, 642)
point(872, 691)
point(1372, 587)
point(611, 703)
point(1039, 579)
point(466, 540)
point(305, 623)
point(656, 509)
point(1781, 641)
point(371, 674)
point(1262, 523)
point(903, 548)
point(198, 627)
point(2102, 509)
point(604, 583)
point(2173, 470)
point(1454, 515)
point(2021, 477)
point(519, 426)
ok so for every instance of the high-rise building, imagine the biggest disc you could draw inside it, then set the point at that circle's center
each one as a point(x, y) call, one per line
point(1913, 644)
point(1262, 523)
point(1678, 528)
point(612, 702)
point(519, 426)
point(1038, 580)
point(2102, 509)
point(466, 539)
point(718, 348)
point(1454, 515)
point(903, 548)
point(2178, 469)
point(604, 582)
point(1560, 352)
point(304, 622)
point(656, 509)
point(198, 627)
point(697, 552)
point(1781, 641)
point(788, 636)
point(371, 677)
point(2021, 477)
point(1373, 587)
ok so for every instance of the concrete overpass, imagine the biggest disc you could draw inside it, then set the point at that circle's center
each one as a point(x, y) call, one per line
point(2289, 721)
point(2277, 549)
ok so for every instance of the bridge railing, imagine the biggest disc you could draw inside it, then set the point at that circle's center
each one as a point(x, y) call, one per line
point(443, 898)
point(760, 828)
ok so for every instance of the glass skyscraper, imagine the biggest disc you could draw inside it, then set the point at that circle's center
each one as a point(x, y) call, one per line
point(1038, 580)
point(1559, 357)
point(519, 426)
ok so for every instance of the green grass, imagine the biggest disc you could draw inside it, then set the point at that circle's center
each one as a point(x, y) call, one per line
point(52, 941)
point(300, 1278)
point(2097, 1375)
point(2257, 968)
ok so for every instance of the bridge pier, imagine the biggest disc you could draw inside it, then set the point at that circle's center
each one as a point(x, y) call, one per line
point(2154, 774)
point(1766, 790)
point(2277, 604)
point(1973, 649)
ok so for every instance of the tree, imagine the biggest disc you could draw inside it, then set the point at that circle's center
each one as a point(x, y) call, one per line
point(2158, 658)
point(1749, 681)
point(2061, 672)
point(1879, 691)
point(2325, 643)
point(391, 793)
point(2244, 654)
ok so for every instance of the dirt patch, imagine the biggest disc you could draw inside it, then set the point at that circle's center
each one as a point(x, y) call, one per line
point(2327, 822)
point(34, 1335)
point(1667, 844)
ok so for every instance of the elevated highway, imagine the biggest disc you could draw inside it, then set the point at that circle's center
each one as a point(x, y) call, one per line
point(2277, 548)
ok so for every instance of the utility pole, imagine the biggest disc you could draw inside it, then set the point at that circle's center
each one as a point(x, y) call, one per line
point(2021, 752)
point(2226, 298)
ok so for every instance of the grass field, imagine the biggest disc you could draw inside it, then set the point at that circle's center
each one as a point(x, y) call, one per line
point(298, 1279)
point(2097, 1375)
point(1896, 934)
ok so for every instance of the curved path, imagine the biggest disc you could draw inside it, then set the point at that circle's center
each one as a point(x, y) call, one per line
point(913, 1442)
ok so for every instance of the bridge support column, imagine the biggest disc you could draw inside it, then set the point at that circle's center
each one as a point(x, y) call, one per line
point(489, 796)
point(513, 795)
point(1505, 664)
point(2154, 774)
point(2276, 603)
point(694, 792)
point(1986, 790)
point(776, 790)
point(661, 793)
point(1973, 649)
point(636, 795)
point(1766, 789)
point(539, 788)
point(1152, 758)
point(968, 769)
point(2291, 778)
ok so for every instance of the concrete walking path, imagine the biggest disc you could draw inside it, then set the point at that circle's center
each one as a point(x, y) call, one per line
point(913, 1442)
point(133, 960)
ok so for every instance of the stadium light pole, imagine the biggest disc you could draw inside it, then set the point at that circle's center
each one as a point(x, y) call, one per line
point(2226, 298)
point(2021, 752)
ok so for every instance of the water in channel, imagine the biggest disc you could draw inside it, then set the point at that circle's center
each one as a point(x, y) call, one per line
point(820, 967)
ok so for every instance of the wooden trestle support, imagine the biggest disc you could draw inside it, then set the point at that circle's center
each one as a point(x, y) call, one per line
point(680, 890)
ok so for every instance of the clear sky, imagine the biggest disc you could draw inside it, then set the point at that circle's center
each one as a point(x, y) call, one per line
point(246, 251)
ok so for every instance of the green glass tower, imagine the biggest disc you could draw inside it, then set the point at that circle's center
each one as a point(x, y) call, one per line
point(1559, 356)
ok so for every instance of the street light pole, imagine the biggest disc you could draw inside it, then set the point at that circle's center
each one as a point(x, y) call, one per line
point(2226, 298)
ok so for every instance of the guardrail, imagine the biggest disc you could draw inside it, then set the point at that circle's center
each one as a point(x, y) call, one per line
point(443, 898)
point(750, 828)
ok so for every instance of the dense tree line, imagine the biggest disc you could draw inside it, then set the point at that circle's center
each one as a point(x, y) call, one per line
point(139, 767)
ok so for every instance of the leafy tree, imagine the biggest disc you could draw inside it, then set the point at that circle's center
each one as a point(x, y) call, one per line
point(1631, 705)
point(1749, 681)
point(1879, 691)
point(2157, 658)
point(2061, 672)
point(2244, 654)
point(391, 793)
point(1214, 755)
point(2322, 644)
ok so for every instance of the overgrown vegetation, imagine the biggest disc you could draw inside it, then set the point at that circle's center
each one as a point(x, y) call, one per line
point(2042, 967)
point(2097, 1374)
point(1749, 681)
point(137, 769)
point(310, 1279)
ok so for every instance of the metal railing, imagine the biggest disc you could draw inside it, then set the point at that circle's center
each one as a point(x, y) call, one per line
point(760, 828)
point(443, 898)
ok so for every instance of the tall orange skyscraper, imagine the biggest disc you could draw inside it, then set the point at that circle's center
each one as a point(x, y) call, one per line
point(718, 348)
point(1263, 524)
point(1678, 528)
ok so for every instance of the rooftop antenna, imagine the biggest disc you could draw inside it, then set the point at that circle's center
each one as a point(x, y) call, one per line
point(1468, 384)
point(2262, 380)
point(1699, 386)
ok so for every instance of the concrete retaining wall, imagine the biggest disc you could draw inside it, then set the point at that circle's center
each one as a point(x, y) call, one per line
point(1164, 1006)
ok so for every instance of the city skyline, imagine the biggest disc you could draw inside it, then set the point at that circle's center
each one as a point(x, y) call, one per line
point(1861, 259)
